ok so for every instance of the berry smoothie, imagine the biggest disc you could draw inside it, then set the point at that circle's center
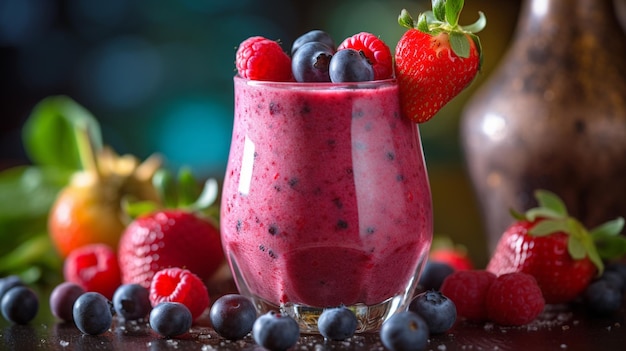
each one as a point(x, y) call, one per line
point(326, 198)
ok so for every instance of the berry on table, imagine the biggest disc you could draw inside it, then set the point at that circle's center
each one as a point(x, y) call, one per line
point(468, 290)
point(259, 58)
point(349, 65)
point(170, 319)
point(602, 298)
point(337, 323)
point(438, 311)
point(92, 313)
point(434, 274)
point(514, 299)
point(95, 268)
point(275, 331)
point(132, 301)
point(62, 300)
point(375, 50)
point(179, 285)
point(19, 305)
point(232, 316)
point(314, 35)
point(9, 282)
point(404, 331)
point(311, 62)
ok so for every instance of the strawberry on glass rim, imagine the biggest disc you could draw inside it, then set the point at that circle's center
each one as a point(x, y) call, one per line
point(557, 249)
point(436, 58)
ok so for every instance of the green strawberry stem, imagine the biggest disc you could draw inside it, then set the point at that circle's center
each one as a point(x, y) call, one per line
point(601, 243)
point(444, 18)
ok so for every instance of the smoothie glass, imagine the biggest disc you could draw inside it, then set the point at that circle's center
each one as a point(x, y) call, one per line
point(326, 200)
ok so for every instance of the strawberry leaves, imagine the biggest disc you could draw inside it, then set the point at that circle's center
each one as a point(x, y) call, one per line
point(601, 243)
point(444, 18)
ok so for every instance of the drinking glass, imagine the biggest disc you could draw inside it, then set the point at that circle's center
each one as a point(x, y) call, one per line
point(326, 200)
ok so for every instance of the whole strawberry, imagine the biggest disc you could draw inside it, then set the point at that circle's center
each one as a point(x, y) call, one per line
point(436, 58)
point(176, 236)
point(556, 249)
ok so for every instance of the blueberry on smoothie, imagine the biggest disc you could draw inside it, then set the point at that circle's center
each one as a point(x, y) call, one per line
point(349, 65)
point(311, 61)
point(313, 36)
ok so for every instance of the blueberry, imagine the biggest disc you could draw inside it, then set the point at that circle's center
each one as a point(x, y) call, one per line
point(232, 316)
point(614, 278)
point(618, 268)
point(338, 323)
point(602, 298)
point(349, 65)
point(315, 35)
point(310, 63)
point(438, 311)
point(132, 301)
point(62, 300)
point(19, 305)
point(404, 331)
point(9, 282)
point(92, 313)
point(275, 331)
point(170, 319)
point(434, 274)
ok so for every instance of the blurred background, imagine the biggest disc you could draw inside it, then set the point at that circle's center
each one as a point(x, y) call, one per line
point(158, 77)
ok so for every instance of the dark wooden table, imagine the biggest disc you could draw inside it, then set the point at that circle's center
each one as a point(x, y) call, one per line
point(565, 328)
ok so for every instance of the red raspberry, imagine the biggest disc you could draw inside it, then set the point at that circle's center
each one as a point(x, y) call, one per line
point(94, 267)
point(258, 58)
point(376, 51)
point(179, 285)
point(468, 290)
point(514, 299)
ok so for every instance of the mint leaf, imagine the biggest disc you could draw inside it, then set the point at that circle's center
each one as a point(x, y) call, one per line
point(49, 134)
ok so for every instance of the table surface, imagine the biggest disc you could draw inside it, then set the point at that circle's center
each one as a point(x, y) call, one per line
point(558, 328)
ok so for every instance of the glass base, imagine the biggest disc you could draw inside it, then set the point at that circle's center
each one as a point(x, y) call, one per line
point(370, 318)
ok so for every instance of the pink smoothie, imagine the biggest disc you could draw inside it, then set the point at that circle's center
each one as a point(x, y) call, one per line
point(326, 198)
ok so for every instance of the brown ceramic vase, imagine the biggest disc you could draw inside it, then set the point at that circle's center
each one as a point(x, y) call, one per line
point(552, 116)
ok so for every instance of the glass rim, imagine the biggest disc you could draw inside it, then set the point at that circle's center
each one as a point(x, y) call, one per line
point(371, 84)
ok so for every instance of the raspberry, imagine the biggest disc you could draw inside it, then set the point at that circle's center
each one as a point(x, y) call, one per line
point(376, 51)
point(93, 267)
point(514, 299)
point(468, 290)
point(179, 285)
point(258, 58)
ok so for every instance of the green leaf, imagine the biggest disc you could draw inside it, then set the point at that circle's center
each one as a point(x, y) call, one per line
point(188, 187)
point(548, 227)
point(49, 134)
point(439, 9)
point(477, 26)
point(164, 183)
point(610, 246)
point(576, 248)
point(460, 44)
point(26, 254)
point(422, 23)
point(405, 19)
point(453, 11)
point(550, 200)
point(610, 228)
point(207, 197)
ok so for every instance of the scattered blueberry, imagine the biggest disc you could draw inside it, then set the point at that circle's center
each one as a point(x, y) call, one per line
point(9, 282)
point(92, 313)
point(349, 65)
point(619, 269)
point(170, 319)
point(62, 300)
point(315, 35)
point(602, 298)
point(404, 331)
point(338, 323)
point(438, 311)
point(275, 331)
point(434, 274)
point(310, 62)
point(614, 278)
point(19, 304)
point(232, 316)
point(132, 301)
